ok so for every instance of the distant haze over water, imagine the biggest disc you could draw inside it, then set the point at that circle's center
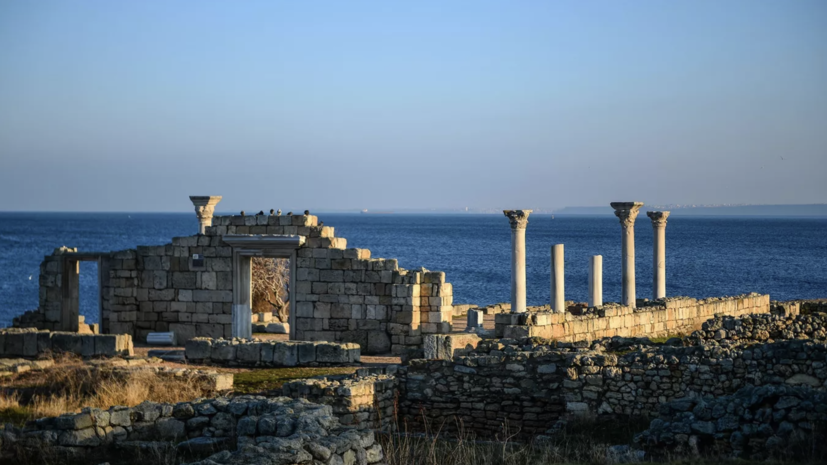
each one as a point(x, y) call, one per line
point(705, 256)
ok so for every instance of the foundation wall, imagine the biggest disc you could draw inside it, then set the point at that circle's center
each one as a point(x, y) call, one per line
point(676, 315)
point(527, 391)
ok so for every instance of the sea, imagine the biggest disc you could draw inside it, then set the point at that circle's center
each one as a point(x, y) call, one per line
point(705, 256)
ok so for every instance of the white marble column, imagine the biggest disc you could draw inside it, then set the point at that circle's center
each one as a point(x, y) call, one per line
point(519, 221)
point(558, 281)
point(204, 209)
point(658, 253)
point(596, 281)
point(627, 212)
point(242, 324)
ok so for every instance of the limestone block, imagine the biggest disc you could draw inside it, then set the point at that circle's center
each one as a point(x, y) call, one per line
point(29, 346)
point(61, 342)
point(285, 354)
point(278, 328)
point(248, 353)
point(198, 348)
point(184, 331)
point(87, 346)
point(378, 343)
point(306, 352)
point(332, 353)
point(223, 351)
point(475, 318)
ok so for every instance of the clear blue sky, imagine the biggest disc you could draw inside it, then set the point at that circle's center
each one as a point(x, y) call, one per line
point(133, 106)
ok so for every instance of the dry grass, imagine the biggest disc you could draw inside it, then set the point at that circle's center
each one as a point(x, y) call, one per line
point(68, 389)
point(584, 441)
point(580, 442)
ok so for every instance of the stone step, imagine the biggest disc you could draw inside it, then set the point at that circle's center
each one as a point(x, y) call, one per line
point(166, 355)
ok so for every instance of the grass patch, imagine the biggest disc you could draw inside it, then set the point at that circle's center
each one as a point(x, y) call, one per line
point(271, 379)
point(67, 389)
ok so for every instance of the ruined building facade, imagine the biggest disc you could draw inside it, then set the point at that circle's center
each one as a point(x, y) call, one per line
point(199, 286)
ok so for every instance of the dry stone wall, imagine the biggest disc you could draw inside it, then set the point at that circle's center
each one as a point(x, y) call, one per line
point(660, 318)
point(528, 384)
point(756, 423)
point(364, 401)
point(241, 352)
point(247, 428)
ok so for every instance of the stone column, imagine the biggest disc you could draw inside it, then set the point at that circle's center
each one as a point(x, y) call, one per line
point(519, 221)
point(558, 282)
point(596, 281)
point(204, 208)
point(242, 323)
point(627, 212)
point(658, 253)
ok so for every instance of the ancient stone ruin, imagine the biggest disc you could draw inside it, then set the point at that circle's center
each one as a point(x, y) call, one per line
point(738, 376)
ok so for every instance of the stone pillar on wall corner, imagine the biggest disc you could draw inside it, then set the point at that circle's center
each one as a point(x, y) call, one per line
point(627, 213)
point(658, 253)
point(519, 221)
point(204, 209)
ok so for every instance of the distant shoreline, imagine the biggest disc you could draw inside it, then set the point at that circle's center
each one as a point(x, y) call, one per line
point(775, 211)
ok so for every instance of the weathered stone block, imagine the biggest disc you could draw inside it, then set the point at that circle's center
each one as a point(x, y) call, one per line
point(198, 348)
point(223, 351)
point(285, 354)
point(331, 353)
point(63, 342)
point(248, 353)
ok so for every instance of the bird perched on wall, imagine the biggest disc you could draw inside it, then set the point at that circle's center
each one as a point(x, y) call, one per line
point(278, 213)
point(289, 213)
point(242, 212)
point(272, 211)
point(307, 212)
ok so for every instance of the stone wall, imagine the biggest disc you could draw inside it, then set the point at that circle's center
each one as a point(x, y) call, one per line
point(29, 342)
point(340, 294)
point(50, 296)
point(240, 352)
point(664, 317)
point(363, 401)
point(528, 385)
point(255, 427)
point(756, 423)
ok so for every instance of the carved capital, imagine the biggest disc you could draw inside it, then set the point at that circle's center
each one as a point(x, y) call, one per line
point(627, 212)
point(205, 206)
point(658, 218)
point(517, 218)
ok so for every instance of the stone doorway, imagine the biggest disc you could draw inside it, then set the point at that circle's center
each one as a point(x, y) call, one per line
point(245, 248)
point(70, 288)
point(271, 294)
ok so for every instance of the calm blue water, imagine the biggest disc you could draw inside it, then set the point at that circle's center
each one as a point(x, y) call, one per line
point(785, 257)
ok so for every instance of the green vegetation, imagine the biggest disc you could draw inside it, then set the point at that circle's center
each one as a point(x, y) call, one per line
point(270, 379)
point(15, 415)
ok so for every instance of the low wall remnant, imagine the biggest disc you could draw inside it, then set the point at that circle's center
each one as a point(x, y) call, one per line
point(664, 317)
point(29, 342)
point(240, 352)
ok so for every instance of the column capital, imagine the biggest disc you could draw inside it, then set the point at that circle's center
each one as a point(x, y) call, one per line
point(205, 205)
point(627, 212)
point(517, 218)
point(658, 218)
